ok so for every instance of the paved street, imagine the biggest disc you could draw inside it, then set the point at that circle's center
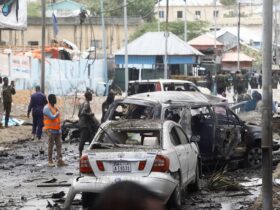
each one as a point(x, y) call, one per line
point(24, 171)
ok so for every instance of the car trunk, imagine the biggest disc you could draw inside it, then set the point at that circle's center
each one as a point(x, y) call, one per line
point(122, 161)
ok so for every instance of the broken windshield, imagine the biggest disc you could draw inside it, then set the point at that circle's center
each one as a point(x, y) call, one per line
point(146, 138)
point(133, 111)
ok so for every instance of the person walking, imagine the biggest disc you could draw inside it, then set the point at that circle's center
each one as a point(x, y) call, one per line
point(106, 104)
point(87, 121)
point(7, 92)
point(53, 130)
point(37, 102)
point(1, 105)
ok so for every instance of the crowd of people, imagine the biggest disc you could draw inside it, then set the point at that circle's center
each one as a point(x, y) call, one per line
point(46, 116)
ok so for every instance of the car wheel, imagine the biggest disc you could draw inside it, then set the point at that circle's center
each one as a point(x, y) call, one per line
point(254, 157)
point(195, 186)
point(175, 201)
point(88, 200)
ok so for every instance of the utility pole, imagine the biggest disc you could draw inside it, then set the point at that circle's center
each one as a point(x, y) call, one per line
point(43, 45)
point(238, 39)
point(104, 42)
point(215, 47)
point(166, 35)
point(276, 33)
point(125, 47)
point(267, 105)
point(186, 24)
point(158, 16)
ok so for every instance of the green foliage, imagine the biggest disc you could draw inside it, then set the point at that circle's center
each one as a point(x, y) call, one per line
point(195, 28)
point(228, 2)
point(34, 9)
point(114, 8)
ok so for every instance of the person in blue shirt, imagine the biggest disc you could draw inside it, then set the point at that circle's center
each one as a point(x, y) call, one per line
point(37, 102)
point(252, 104)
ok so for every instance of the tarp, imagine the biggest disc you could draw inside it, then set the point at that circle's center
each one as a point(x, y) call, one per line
point(13, 14)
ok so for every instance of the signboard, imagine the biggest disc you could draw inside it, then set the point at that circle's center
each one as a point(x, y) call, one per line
point(4, 67)
point(13, 14)
point(21, 67)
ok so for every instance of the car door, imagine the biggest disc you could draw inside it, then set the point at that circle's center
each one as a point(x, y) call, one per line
point(224, 131)
point(237, 130)
point(181, 153)
point(203, 125)
point(190, 152)
point(185, 121)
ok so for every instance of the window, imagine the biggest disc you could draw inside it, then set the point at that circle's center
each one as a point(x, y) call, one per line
point(161, 14)
point(33, 43)
point(216, 13)
point(179, 14)
point(233, 120)
point(182, 136)
point(197, 14)
point(221, 115)
point(174, 137)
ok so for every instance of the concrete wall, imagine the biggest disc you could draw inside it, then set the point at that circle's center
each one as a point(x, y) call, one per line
point(71, 29)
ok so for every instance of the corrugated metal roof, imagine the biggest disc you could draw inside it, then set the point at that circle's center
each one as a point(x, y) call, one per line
point(246, 33)
point(193, 3)
point(153, 43)
point(205, 40)
point(233, 57)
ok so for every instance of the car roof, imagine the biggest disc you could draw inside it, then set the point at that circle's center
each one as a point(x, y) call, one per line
point(161, 81)
point(169, 96)
point(136, 124)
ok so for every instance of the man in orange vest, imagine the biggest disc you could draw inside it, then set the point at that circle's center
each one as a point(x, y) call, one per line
point(52, 127)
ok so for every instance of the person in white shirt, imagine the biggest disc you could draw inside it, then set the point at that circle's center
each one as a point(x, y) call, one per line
point(1, 104)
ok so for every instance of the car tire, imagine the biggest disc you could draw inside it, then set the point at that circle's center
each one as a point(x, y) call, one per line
point(195, 186)
point(175, 201)
point(254, 157)
point(88, 200)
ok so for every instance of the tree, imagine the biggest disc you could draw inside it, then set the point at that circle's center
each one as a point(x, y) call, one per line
point(34, 9)
point(135, 8)
point(195, 28)
point(228, 2)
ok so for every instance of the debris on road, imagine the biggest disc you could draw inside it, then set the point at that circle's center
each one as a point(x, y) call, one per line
point(220, 181)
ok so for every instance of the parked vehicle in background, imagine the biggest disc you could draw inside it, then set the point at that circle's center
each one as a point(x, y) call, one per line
point(156, 154)
point(143, 86)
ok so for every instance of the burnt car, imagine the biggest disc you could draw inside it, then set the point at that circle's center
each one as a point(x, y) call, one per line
point(223, 135)
point(220, 133)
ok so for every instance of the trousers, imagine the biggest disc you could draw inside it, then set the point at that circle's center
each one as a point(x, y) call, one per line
point(38, 124)
point(54, 139)
point(85, 136)
point(7, 109)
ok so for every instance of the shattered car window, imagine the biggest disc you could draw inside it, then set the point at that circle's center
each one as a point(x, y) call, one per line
point(147, 138)
point(173, 114)
point(133, 111)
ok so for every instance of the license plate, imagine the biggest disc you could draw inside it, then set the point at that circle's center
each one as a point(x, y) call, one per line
point(121, 167)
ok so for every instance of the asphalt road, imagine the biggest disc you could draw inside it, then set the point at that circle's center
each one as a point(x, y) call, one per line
point(24, 171)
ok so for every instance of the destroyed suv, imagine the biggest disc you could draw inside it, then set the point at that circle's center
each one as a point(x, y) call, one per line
point(219, 132)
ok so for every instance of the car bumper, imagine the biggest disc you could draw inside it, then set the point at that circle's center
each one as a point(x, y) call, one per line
point(161, 184)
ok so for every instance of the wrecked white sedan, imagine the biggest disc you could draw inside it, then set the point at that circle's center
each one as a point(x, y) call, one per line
point(156, 154)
